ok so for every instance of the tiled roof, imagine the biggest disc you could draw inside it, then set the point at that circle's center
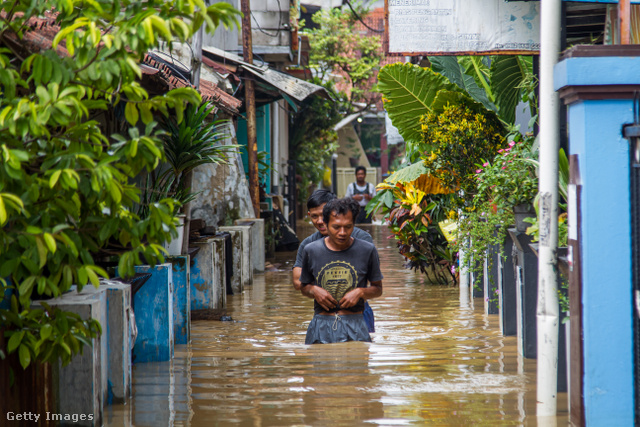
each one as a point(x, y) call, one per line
point(162, 74)
point(39, 34)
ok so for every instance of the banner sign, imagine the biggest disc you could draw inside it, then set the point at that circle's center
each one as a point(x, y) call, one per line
point(462, 27)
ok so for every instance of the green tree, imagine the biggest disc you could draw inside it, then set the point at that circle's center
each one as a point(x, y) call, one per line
point(340, 52)
point(67, 160)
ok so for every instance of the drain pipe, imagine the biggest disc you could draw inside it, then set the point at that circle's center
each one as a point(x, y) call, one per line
point(548, 310)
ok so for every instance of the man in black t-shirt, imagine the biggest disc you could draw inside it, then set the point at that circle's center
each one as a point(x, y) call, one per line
point(315, 205)
point(335, 273)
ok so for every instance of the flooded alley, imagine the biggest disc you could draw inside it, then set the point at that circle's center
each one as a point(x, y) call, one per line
point(431, 362)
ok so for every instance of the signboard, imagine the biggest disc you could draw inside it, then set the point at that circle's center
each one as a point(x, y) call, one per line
point(462, 27)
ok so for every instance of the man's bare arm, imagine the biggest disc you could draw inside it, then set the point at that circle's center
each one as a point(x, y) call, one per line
point(352, 297)
point(297, 271)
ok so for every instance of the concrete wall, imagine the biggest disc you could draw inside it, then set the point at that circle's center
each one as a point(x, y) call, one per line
point(242, 259)
point(82, 387)
point(257, 241)
point(223, 191)
point(207, 275)
point(224, 38)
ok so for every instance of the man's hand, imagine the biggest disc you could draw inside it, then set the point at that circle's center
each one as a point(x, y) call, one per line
point(351, 298)
point(357, 197)
point(322, 296)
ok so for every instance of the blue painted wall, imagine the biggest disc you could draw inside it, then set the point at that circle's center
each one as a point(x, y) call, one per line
point(202, 273)
point(182, 299)
point(595, 135)
point(153, 308)
point(263, 132)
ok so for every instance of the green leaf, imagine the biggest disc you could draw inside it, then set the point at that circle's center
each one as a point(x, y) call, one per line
point(25, 356)
point(507, 74)
point(451, 68)
point(45, 331)
point(3, 212)
point(26, 286)
point(15, 341)
point(50, 242)
point(54, 178)
point(93, 277)
point(131, 113)
point(42, 251)
point(81, 273)
point(409, 91)
point(408, 174)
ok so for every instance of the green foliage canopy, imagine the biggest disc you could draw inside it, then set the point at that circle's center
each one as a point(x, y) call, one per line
point(65, 191)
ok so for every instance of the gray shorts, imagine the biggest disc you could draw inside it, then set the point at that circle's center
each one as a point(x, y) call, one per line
point(329, 329)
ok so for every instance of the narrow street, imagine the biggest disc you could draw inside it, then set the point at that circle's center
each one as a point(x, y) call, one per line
point(432, 362)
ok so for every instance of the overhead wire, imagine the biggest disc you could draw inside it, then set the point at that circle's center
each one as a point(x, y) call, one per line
point(359, 18)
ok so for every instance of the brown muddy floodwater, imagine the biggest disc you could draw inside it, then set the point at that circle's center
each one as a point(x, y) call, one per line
point(431, 362)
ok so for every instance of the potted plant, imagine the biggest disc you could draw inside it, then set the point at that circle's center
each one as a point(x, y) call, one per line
point(509, 181)
point(191, 143)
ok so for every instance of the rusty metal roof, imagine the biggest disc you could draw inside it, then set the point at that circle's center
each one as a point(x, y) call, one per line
point(286, 84)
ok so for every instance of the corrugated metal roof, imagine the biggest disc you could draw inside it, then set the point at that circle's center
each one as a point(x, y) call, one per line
point(289, 85)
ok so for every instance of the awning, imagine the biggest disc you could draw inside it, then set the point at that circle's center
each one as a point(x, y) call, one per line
point(288, 86)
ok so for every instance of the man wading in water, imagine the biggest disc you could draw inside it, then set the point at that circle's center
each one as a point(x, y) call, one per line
point(335, 273)
point(315, 204)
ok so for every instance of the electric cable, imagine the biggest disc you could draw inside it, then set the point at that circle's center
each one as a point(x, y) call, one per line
point(359, 18)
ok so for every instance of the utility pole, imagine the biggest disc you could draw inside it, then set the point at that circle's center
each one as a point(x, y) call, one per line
point(547, 314)
point(250, 100)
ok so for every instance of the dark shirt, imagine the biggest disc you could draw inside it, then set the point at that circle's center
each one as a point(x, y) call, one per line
point(357, 233)
point(340, 271)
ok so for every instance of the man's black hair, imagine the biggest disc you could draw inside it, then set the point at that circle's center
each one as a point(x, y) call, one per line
point(361, 168)
point(319, 198)
point(340, 207)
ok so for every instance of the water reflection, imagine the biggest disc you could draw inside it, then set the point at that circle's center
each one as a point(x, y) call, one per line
point(431, 362)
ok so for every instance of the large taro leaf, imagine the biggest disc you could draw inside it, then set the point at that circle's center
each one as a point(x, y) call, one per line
point(408, 174)
point(507, 74)
point(454, 69)
point(409, 91)
point(418, 174)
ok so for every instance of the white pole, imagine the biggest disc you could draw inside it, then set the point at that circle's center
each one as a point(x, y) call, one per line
point(548, 309)
point(464, 280)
